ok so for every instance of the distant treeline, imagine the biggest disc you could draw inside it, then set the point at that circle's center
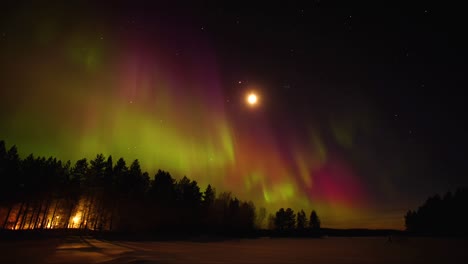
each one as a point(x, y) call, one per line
point(441, 216)
point(288, 223)
point(103, 195)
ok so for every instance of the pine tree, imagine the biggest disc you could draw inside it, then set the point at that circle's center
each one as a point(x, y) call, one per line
point(314, 221)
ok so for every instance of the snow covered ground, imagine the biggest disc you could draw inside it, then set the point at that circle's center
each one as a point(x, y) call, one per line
point(263, 250)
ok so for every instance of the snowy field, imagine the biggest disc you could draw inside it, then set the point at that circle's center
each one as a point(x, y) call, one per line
point(264, 250)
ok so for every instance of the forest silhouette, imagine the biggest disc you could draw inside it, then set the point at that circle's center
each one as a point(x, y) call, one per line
point(440, 216)
point(38, 193)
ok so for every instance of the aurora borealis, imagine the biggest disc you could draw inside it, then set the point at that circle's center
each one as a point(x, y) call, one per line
point(167, 86)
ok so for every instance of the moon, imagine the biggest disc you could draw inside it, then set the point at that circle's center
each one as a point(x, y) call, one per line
point(252, 99)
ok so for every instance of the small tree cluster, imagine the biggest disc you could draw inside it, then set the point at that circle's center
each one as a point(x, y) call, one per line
point(288, 220)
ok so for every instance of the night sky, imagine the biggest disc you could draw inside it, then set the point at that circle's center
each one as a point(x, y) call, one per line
point(360, 111)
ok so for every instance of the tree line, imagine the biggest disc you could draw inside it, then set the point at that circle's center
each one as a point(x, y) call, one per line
point(288, 220)
point(100, 194)
point(447, 215)
point(106, 195)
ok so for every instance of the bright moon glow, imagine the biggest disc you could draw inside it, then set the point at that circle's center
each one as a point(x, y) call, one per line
point(252, 99)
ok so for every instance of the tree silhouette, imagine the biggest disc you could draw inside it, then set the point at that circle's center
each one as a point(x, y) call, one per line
point(285, 219)
point(301, 220)
point(188, 198)
point(209, 196)
point(280, 219)
point(207, 213)
point(290, 219)
point(188, 192)
point(162, 188)
point(314, 222)
point(137, 180)
point(11, 188)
